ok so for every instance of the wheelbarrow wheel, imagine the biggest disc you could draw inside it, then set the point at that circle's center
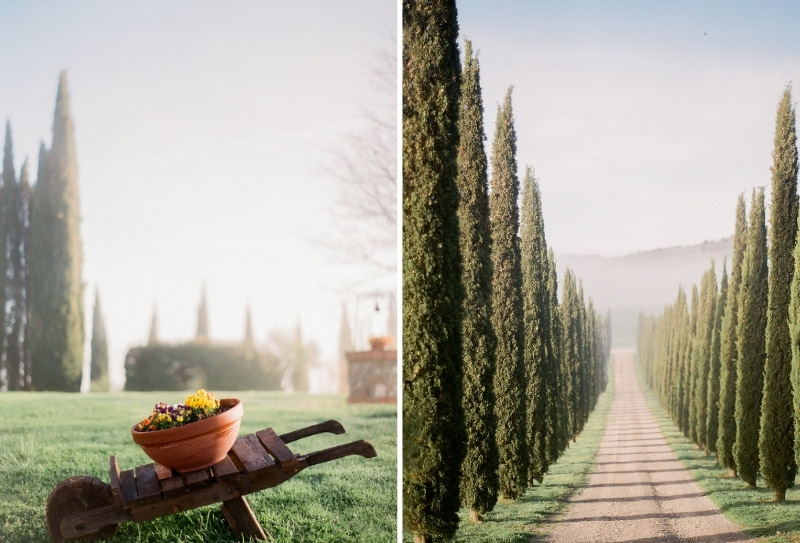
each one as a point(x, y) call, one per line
point(75, 495)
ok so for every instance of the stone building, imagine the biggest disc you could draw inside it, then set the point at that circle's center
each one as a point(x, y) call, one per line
point(372, 374)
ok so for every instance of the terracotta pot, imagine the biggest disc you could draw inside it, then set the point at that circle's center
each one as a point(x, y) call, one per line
point(378, 343)
point(196, 445)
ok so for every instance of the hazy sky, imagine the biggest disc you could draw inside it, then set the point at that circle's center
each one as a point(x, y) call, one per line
point(643, 120)
point(203, 130)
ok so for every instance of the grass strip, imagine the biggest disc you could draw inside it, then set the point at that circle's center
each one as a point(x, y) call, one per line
point(751, 509)
point(521, 521)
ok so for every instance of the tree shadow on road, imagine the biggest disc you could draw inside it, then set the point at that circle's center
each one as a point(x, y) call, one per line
point(714, 538)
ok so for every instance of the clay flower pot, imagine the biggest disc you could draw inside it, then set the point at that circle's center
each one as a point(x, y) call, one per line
point(196, 445)
point(378, 343)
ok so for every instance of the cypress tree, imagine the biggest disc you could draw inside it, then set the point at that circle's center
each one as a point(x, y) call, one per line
point(600, 359)
point(25, 195)
point(686, 365)
point(152, 337)
point(345, 346)
point(14, 228)
point(248, 341)
point(536, 305)
point(701, 355)
point(752, 324)
point(582, 399)
point(591, 356)
point(776, 440)
point(99, 346)
point(712, 414)
point(728, 349)
point(433, 423)
point(794, 331)
point(202, 334)
point(570, 350)
point(559, 414)
point(606, 349)
point(507, 310)
point(681, 338)
point(9, 182)
point(479, 483)
point(57, 323)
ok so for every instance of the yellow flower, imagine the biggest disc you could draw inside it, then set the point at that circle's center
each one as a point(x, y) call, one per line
point(202, 400)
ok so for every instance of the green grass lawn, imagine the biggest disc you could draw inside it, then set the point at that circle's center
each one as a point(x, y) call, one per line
point(752, 509)
point(47, 437)
point(521, 521)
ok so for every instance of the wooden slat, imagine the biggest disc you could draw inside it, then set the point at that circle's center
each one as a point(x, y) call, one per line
point(163, 472)
point(147, 483)
point(114, 477)
point(127, 486)
point(251, 454)
point(258, 448)
point(173, 486)
point(196, 479)
point(206, 495)
point(225, 469)
point(276, 447)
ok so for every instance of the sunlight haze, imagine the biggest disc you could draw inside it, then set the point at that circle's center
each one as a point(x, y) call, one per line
point(644, 120)
point(203, 134)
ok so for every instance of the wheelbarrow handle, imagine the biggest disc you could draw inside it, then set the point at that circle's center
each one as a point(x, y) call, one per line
point(360, 448)
point(330, 426)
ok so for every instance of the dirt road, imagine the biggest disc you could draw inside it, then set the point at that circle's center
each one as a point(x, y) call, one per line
point(639, 492)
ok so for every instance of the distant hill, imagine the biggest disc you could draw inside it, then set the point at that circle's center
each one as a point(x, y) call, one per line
point(643, 282)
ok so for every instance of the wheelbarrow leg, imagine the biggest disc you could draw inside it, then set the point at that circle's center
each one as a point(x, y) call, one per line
point(242, 520)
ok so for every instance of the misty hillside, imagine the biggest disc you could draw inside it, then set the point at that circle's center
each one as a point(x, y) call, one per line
point(643, 281)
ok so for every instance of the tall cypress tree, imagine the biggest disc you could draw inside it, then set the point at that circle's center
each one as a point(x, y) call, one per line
point(536, 303)
point(571, 350)
point(479, 483)
point(712, 404)
point(249, 340)
point(99, 346)
point(152, 337)
point(14, 229)
point(776, 440)
point(728, 349)
point(202, 334)
point(57, 323)
point(9, 179)
point(701, 355)
point(25, 198)
point(551, 381)
point(752, 325)
point(680, 336)
point(433, 422)
point(686, 365)
point(507, 313)
point(591, 356)
point(580, 369)
point(560, 413)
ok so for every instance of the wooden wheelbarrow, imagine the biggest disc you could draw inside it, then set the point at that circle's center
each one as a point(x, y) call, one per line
point(85, 507)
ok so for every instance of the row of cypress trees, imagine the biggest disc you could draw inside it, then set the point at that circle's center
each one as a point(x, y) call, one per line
point(498, 375)
point(41, 286)
point(724, 367)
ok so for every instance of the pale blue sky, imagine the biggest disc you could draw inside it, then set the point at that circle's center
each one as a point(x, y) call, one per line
point(644, 120)
point(203, 130)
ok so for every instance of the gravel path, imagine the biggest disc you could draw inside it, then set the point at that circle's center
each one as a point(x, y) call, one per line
point(639, 492)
